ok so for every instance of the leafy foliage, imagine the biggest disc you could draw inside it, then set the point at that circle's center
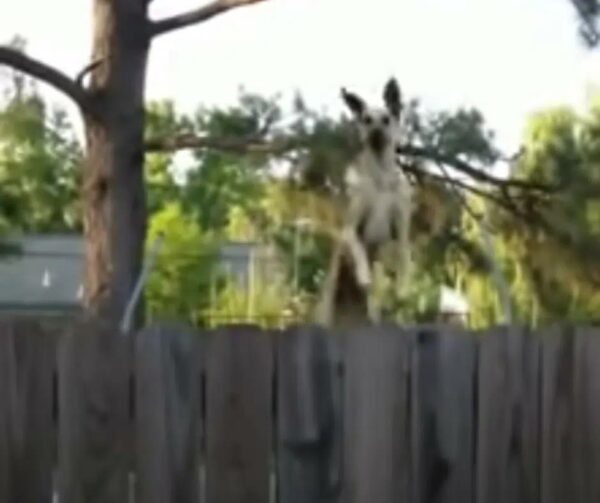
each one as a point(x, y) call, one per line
point(269, 304)
point(185, 269)
point(40, 163)
point(566, 149)
point(161, 187)
point(217, 181)
point(550, 279)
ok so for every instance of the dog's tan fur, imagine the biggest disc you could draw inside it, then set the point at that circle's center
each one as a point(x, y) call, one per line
point(378, 213)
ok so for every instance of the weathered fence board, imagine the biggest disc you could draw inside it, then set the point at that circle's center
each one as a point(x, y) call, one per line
point(378, 414)
point(307, 398)
point(238, 416)
point(508, 417)
point(93, 415)
point(571, 416)
point(167, 415)
point(26, 426)
point(376, 421)
point(443, 377)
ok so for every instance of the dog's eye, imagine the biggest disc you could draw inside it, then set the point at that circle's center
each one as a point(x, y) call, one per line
point(367, 119)
point(386, 120)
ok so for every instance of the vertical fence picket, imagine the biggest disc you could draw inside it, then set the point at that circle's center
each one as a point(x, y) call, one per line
point(167, 416)
point(376, 421)
point(238, 415)
point(27, 358)
point(571, 415)
point(443, 416)
point(93, 445)
point(308, 432)
point(508, 417)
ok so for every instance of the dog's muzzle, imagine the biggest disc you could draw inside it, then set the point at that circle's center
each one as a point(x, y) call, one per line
point(377, 140)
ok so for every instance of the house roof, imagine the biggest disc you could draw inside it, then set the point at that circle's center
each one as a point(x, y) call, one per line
point(45, 274)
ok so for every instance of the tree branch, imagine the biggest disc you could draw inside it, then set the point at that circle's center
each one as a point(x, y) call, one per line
point(280, 146)
point(461, 197)
point(41, 71)
point(233, 145)
point(455, 183)
point(586, 250)
point(474, 173)
point(197, 15)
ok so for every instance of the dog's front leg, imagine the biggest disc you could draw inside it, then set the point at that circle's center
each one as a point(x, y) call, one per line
point(359, 256)
point(358, 252)
point(358, 208)
point(402, 219)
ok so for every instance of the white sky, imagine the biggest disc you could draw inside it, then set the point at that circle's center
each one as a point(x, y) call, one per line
point(506, 57)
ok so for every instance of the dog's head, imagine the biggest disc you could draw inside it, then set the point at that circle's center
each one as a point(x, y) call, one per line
point(378, 127)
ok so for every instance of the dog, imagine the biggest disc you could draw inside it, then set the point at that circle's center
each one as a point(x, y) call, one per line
point(379, 195)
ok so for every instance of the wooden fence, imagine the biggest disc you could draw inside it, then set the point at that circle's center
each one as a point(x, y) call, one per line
point(381, 414)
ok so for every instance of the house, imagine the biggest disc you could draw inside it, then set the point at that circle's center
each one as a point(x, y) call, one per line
point(45, 276)
point(243, 260)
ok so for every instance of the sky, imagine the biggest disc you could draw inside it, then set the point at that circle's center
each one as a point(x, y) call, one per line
point(508, 58)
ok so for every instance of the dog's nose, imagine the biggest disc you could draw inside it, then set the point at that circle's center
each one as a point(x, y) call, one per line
point(377, 139)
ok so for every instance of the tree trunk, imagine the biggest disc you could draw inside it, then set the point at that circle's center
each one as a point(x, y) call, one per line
point(113, 193)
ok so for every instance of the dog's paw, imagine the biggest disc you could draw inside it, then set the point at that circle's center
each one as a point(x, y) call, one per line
point(363, 276)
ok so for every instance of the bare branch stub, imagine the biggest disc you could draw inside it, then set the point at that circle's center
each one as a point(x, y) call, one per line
point(197, 16)
point(87, 69)
point(45, 73)
point(501, 199)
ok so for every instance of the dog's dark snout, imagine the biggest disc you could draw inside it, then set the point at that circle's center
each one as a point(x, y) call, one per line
point(377, 139)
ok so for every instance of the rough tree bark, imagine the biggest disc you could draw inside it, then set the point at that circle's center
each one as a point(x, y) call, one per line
point(112, 107)
point(113, 190)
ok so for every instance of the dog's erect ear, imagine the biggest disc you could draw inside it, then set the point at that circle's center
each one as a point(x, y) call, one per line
point(393, 98)
point(354, 102)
